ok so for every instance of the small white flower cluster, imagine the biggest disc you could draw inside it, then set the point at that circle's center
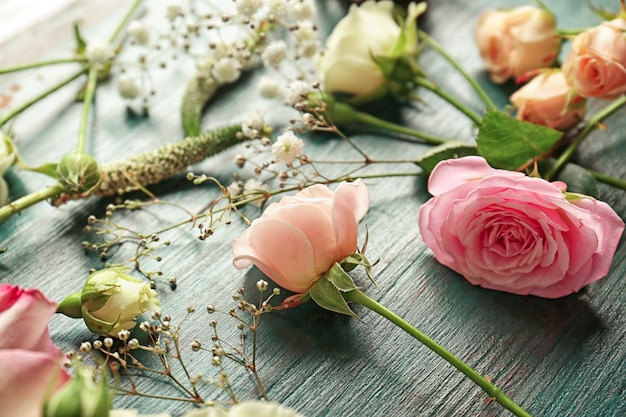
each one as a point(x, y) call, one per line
point(287, 147)
point(222, 39)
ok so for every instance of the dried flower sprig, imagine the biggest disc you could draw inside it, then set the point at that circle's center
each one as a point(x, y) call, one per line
point(133, 362)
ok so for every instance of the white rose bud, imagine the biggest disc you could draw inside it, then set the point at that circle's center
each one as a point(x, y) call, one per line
point(111, 301)
point(354, 50)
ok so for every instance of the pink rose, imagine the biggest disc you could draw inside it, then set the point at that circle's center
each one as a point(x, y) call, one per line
point(30, 364)
point(300, 238)
point(596, 64)
point(513, 42)
point(505, 231)
point(548, 100)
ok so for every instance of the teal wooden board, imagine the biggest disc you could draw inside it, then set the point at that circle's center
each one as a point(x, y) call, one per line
point(564, 357)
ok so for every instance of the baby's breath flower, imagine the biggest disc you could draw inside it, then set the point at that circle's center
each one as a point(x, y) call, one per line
point(139, 31)
point(297, 92)
point(301, 9)
point(128, 87)
point(234, 189)
point(306, 31)
point(173, 9)
point(277, 8)
point(248, 7)
point(226, 70)
point(287, 147)
point(269, 87)
point(309, 48)
point(274, 53)
point(254, 186)
point(253, 124)
point(98, 52)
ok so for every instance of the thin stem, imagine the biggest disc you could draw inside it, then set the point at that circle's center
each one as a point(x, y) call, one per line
point(29, 200)
point(591, 124)
point(124, 21)
point(91, 89)
point(471, 80)
point(40, 96)
point(570, 32)
point(39, 64)
point(494, 392)
point(373, 121)
point(612, 181)
point(429, 85)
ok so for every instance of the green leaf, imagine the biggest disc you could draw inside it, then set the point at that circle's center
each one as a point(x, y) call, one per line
point(511, 144)
point(327, 296)
point(49, 169)
point(577, 178)
point(449, 150)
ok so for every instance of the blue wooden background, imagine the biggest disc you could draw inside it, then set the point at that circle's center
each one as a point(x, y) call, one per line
point(558, 358)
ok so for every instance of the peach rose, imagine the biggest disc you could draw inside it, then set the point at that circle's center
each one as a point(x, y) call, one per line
point(549, 101)
point(596, 64)
point(505, 231)
point(513, 42)
point(300, 238)
point(29, 362)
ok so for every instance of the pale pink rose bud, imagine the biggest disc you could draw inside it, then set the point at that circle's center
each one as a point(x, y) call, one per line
point(549, 101)
point(596, 64)
point(300, 238)
point(513, 42)
point(509, 232)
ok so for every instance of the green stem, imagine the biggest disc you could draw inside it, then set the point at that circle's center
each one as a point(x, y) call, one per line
point(570, 32)
point(612, 181)
point(39, 64)
point(429, 85)
point(494, 392)
point(591, 124)
point(40, 96)
point(91, 89)
point(124, 21)
point(368, 119)
point(20, 204)
point(471, 80)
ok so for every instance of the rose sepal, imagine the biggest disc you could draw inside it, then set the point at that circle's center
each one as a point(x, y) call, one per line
point(71, 306)
point(327, 291)
point(83, 396)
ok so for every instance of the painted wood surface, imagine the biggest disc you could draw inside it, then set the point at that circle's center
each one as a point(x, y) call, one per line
point(557, 358)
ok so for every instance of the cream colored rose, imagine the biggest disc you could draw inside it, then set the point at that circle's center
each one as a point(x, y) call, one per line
point(112, 300)
point(549, 101)
point(596, 64)
point(516, 41)
point(369, 31)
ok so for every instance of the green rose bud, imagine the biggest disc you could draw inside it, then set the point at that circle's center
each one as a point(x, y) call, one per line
point(78, 172)
point(80, 397)
point(111, 301)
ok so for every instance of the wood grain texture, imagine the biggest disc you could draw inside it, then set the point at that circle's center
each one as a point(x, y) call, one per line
point(557, 358)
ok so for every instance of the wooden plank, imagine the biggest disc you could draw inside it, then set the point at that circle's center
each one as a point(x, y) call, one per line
point(561, 357)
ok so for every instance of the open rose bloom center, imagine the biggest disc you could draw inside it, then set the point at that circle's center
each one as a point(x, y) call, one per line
point(505, 231)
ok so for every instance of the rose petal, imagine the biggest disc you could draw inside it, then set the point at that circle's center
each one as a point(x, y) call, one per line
point(26, 377)
point(280, 250)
